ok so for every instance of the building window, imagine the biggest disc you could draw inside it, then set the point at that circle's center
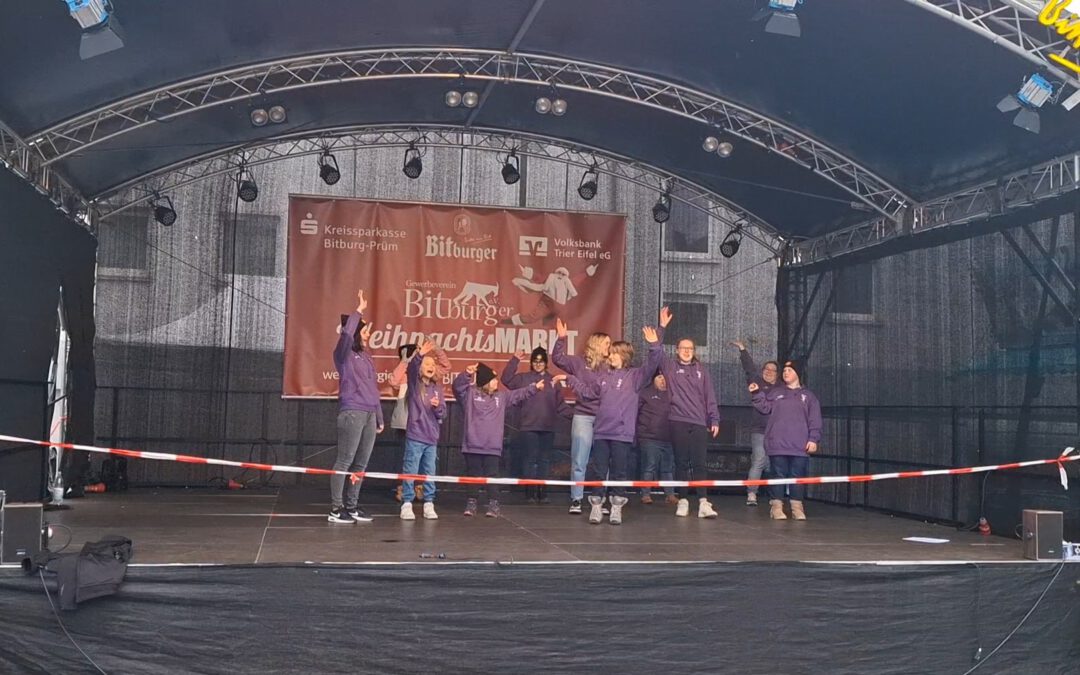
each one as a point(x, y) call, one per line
point(122, 243)
point(255, 238)
point(854, 290)
point(691, 321)
point(687, 230)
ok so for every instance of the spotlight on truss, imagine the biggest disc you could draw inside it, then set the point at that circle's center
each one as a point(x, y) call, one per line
point(780, 17)
point(661, 211)
point(1036, 91)
point(101, 32)
point(511, 172)
point(730, 246)
point(246, 188)
point(164, 212)
point(587, 187)
point(328, 168)
point(413, 166)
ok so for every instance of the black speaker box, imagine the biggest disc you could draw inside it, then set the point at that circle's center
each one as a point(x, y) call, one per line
point(1043, 534)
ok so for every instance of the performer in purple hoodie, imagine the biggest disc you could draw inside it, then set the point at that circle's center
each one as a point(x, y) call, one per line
point(694, 415)
point(427, 409)
point(616, 416)
point(654, 437)
point(539, 415)
point(766, 378)
point(791, 436)
point(484, 406)
point(359, 414)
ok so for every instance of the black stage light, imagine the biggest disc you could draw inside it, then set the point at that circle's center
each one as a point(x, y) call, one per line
point(730, 246)
point(510, 172)
point(413, 165)
point(164, 212)
point(587, 187)
point(328, 168)
point(246, 189)
point(661, 211)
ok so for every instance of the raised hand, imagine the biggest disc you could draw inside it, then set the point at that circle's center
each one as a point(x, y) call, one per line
point(753, 387)
point(560, 327)
point(539, 385)
point(650, 334)
point(665, 316)
point(471, 369)
point(558, 379)
point(738, 344)
point(520, 355)
point(426, 347)
point(361, 302)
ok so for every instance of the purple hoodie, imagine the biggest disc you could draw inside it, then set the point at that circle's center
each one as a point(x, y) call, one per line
point(753, 374)
point(485, 414)
point(654, 407)
point(794, 419)
point(693, 399)
point(587, 404)
point(424, 420)
point(358, 389)
point(616, 416)
point(540, 412)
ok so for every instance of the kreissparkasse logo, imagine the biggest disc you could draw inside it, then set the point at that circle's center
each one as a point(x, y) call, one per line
point(309, 225)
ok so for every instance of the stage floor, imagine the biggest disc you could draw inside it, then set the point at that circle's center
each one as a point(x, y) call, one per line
point(288, 525)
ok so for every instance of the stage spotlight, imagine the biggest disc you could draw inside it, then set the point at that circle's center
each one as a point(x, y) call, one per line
point(328, 168)
point(661, 211)
point(246, 189)
point(730, 246)
point(725, 149)
point(587, 187)
point(558, 107)
point(470, 99)
point(710, 144)
point(452, 98)
point(780, 18)
point(277, 114)
point(510, 172)
point(543, 105)
point(164, 212)
point(413, 165)
point(259, 117)
point(1036, 91)
point(102, 33)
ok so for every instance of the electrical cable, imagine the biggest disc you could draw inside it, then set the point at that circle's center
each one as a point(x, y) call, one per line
point(41, 573)
point(69, 533)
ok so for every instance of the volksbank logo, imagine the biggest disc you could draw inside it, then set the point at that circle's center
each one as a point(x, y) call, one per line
point(445, 247)
point(309, 225)
point(533, 246)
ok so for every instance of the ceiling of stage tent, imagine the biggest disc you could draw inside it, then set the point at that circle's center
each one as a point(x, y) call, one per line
point(904, 93)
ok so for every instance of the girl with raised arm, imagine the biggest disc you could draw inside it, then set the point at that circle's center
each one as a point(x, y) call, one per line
point(427, 409)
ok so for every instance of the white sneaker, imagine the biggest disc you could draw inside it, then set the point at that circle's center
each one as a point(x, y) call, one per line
point(429, 511)
point(751, 499)
point(683, 509)
point(596, 514)
point(407, 512)
point(705, 509)
point(616, 510)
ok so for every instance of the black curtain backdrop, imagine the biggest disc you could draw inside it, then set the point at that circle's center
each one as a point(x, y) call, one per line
point(40, 249)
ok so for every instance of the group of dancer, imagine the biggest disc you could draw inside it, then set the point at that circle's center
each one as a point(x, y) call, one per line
point(667, 406)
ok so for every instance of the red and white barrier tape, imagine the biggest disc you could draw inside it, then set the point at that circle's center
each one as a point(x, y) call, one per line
point(1066, 456)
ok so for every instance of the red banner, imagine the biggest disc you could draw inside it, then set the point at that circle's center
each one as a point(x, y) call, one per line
point(482, 282)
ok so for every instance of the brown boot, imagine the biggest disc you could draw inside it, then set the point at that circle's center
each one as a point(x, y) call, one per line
point(671, 500)
point(776, 509)
point(646, 498)
point(797, 510)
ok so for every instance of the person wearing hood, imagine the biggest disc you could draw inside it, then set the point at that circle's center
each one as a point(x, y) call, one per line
point(792, 434)
point(484, 406)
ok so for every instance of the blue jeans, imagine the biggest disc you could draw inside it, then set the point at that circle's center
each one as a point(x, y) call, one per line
point(581, 430)
point(789, 466)
point(657, 454)
point(419, 458)
point(759, 461)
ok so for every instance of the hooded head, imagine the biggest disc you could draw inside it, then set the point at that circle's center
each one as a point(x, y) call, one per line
point(485, 378)
point(793, 373)
point(538, 361)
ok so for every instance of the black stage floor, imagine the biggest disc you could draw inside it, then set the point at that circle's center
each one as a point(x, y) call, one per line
point(289, 525)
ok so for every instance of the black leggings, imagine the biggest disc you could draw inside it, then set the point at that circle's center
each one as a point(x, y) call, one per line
point(486, 466)
point(689, 441)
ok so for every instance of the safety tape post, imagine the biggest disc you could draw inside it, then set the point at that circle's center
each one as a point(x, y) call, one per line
point(1068, 455)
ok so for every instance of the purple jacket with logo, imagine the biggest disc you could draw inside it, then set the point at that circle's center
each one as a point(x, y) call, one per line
point(654, 407)
point(358, 389)
point(541, 412)
point(485, 414)
point(587, 404)
point(424, 419)
point(753, 374)
point(794, 419)
point(616, 415)
point(693, 399)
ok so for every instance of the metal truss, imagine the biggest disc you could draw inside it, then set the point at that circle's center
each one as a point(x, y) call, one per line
point(86, 130)
point(17, 155)
point(1014, 25)
point(1015, 191)
point(228, 161)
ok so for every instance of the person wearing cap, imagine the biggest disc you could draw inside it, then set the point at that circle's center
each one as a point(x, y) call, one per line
point(766, 378)
point(616, 389)
point(694, 416)
point(484, 406)
point(536, 423)
point(597, 348)
point(359, 417)
point(792, 434)
point(654, 437)
point(427, 409)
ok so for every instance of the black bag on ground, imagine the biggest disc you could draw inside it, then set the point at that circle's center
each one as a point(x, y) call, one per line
point(97, 570)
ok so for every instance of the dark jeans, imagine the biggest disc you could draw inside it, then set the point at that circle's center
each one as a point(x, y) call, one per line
point(689, 441)
point(486, 466)
point(788, 466)
point(608, 461)
point(536, 450)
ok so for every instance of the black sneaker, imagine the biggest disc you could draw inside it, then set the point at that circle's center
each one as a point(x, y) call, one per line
point(340, 515)
point(360, 515)
point(575, 506)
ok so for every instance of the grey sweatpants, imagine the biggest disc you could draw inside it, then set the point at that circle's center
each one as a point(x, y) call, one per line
point(355, 441)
